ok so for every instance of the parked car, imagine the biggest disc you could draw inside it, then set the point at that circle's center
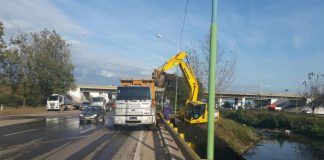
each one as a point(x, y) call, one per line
point(84, 105)
point(93, 114)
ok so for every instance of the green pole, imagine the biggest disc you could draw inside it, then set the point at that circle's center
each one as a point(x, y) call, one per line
point(212, 82)
point(176, 95)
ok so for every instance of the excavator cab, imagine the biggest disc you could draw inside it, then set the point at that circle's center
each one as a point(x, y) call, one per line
point(196, 112)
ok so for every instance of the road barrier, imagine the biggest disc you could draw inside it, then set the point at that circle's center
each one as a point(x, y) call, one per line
point(179, 138)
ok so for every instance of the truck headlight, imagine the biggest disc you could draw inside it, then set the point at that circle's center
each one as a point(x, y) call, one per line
point(81, 115)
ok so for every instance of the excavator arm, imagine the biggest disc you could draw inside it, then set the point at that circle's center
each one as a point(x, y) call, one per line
point(186, 70)
point(195, 111)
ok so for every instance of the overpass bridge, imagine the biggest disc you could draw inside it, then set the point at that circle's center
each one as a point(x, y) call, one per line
point(262, 98)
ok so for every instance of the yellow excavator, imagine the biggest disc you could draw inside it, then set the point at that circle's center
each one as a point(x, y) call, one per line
point(195, 111)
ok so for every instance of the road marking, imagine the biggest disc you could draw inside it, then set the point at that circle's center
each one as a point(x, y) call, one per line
point(139, 147)
point(18, 132)
point(87, 130)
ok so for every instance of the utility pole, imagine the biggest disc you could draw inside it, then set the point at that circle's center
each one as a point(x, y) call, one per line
point(212, 82)
point(176, 91)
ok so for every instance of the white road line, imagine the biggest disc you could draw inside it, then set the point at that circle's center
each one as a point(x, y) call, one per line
point(86, 130)
point(139, 147)
point(18, 132)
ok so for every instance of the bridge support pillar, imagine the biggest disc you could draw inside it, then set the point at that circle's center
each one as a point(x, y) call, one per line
point(220, 101)
point(243, 102)
point(236, 102)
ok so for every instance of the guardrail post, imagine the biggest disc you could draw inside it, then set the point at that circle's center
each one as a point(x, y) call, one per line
point(181, 136)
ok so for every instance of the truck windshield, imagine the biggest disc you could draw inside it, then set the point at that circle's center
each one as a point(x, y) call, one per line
point(133, 93)
point(97, 99)
point(53, 98)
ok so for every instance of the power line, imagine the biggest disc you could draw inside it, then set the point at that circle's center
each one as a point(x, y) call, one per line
point(183, 23)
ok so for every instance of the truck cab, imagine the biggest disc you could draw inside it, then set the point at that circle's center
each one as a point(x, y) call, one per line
point(134, 107)
point(55, 102)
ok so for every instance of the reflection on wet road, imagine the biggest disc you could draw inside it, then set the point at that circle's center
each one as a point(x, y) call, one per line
point(66, 138)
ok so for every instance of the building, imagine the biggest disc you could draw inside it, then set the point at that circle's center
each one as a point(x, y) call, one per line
point(85, 92)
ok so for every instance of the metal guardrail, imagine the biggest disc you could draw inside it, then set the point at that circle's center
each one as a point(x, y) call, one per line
point(187, 151)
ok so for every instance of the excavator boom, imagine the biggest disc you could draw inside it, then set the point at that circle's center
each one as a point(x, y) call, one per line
point(186, 70)
point(195, 111)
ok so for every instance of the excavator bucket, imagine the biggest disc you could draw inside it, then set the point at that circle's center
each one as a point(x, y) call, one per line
point(159, 78)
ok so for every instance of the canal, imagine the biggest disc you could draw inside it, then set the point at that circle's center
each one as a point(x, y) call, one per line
point(287, 148)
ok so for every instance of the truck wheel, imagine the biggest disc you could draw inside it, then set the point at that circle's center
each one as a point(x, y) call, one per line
point(116, 127)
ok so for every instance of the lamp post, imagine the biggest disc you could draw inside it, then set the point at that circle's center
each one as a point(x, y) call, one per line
point(176, 91)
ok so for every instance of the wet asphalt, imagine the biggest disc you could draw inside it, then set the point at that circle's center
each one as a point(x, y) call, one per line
point(63, 137)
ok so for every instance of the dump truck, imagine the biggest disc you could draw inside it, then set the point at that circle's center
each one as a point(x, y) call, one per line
point(135, 104)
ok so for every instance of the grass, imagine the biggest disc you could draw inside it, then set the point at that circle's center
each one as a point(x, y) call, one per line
point(25, 110)
point(231, 138)
point(239, 137)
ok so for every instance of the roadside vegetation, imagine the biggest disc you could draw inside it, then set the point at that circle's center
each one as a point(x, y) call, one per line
point(239, 137)
point(25, 110)
point(232, 139)
point(34, 66)
point(308, 125)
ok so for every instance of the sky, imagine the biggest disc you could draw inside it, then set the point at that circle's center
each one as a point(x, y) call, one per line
point(276, 43)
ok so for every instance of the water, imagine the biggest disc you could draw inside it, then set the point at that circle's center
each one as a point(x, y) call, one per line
point(283, 148)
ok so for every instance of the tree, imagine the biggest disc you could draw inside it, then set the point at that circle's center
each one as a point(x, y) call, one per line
point(314, 89)
point(2, 42)
point(2, 54)
point(45, 64)
point(225, 68)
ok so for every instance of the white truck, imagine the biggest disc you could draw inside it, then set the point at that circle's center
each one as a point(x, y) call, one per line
point(134, 107)
point(59, 102)
point(55, 102)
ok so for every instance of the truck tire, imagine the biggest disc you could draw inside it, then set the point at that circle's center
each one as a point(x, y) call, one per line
point(116, 127)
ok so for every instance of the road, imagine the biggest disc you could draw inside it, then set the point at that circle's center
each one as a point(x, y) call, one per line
point(63, 137)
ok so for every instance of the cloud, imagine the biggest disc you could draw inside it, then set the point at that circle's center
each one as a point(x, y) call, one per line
point(73, 42)
point(107, 74)
point(34, 15)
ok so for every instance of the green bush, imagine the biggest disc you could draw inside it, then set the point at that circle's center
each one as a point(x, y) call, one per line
point(302, 124)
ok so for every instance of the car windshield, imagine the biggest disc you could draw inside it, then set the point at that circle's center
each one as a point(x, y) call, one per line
point(92, 109)
point(53, 98)
point(133, 93)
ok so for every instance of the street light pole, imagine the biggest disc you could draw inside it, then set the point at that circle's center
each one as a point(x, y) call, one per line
point(176, 91)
